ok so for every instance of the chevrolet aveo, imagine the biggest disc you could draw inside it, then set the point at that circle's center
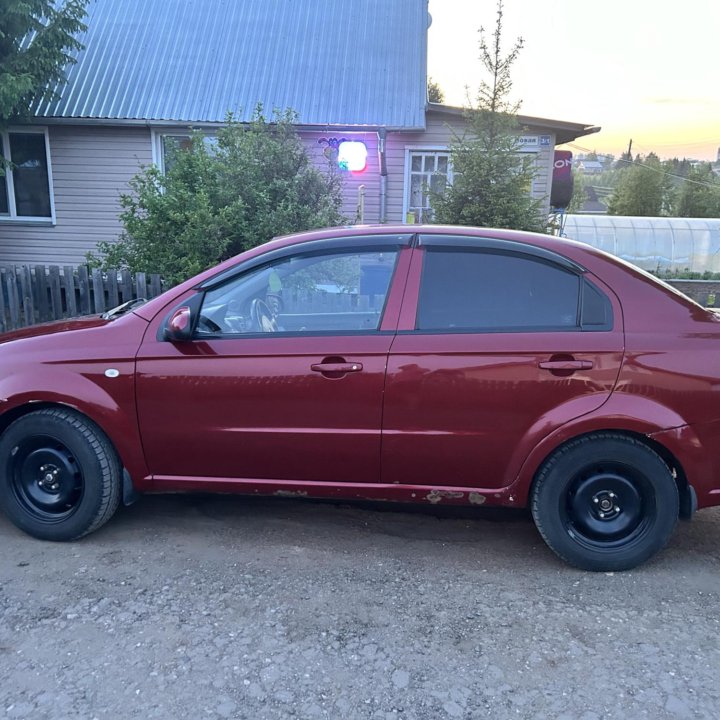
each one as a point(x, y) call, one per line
point(421, 364)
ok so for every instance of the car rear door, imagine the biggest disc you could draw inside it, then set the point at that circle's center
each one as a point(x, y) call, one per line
point(498, 344)
point(301, 401)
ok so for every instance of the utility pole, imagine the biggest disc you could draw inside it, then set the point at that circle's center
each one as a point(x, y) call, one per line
point(629, 151)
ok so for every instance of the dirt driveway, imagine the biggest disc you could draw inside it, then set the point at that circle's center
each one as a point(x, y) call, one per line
point(195, 607)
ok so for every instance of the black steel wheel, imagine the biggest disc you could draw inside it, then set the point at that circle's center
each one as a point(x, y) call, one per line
point(61, 478)
point(605, 502)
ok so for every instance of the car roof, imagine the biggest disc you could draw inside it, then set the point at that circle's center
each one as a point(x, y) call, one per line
point(572, 249)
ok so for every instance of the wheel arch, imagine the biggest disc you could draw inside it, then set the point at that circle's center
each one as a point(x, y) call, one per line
point(688, 499)
point(14, 413)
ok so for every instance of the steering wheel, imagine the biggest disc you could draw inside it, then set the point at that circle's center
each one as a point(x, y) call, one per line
point(261, 316)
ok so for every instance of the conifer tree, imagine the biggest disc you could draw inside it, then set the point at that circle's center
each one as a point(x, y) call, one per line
point(492, 180)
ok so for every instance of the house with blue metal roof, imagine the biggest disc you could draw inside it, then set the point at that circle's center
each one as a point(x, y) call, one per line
point(152, 70)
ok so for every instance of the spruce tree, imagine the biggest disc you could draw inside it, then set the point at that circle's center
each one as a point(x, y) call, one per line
point(492, 180)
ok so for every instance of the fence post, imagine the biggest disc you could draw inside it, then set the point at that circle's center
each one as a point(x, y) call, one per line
point(155, 286)
point(70, 299)
point(13, 298)
point(41, 293)
point(112, 288)
point(126, 290)
point(84, 286)
point(55, 296)
point(27, 295)
point(98, 290)
point(140, 285)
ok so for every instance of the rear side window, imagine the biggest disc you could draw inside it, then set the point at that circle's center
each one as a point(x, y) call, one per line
point(464, 290)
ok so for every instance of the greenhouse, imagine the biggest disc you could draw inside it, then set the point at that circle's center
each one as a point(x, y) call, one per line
point(656, 244)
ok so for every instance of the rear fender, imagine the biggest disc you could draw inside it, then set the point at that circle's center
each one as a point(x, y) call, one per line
point(632, 414)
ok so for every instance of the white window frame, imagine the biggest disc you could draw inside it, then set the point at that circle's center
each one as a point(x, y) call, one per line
point(13, 217)
point(409, 150)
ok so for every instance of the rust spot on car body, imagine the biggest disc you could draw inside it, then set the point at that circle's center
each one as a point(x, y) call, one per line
point(290, 493)
point(436, 496)
point(476, 498)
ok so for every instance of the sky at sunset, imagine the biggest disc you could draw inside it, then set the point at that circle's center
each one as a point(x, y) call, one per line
point(641, 69)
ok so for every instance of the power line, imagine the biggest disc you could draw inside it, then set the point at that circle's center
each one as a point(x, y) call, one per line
point(656, 170)
point(647, 150)
point(709, 141)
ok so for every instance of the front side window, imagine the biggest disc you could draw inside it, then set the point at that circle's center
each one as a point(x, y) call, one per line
point(25, 186)
point(428, 172)
point(342, 292)
point(463, 290)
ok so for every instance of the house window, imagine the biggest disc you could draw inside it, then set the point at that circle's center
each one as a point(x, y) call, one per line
point(25, 187)
point(427, 171)
point(168, 145)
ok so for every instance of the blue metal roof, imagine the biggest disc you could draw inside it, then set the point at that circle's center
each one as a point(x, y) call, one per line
point(335, 62)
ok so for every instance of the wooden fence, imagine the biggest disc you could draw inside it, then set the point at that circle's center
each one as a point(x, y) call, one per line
point(35, 294)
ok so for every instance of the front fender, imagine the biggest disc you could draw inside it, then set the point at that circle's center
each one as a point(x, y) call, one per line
point(107, 401)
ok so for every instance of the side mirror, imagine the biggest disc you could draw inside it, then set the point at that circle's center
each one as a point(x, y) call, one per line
point(179, 327)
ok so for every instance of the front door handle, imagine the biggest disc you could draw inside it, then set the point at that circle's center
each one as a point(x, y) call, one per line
point(565, 365)
point(337, 367)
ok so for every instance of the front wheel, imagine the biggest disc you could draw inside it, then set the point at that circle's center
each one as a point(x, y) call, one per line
point(61, 478)
point(605, 502)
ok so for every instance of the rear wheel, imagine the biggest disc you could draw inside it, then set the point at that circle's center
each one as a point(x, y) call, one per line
point(61, 478)
point(605, 502)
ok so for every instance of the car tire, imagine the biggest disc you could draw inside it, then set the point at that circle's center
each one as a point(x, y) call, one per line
point(61, 478)
point(605, 502)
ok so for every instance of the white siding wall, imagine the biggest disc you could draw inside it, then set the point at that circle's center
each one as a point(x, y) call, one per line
point(438, 134)
point(91, 167)
point(370, 177)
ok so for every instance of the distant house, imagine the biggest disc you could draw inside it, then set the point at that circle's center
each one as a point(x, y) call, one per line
point(152, 70)
point(589, 167)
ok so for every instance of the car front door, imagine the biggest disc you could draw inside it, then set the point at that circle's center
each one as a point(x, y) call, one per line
point(498, 344)
point(284, 377)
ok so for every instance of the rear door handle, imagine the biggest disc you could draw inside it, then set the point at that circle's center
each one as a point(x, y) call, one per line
point(565, 365)
point(337, 367)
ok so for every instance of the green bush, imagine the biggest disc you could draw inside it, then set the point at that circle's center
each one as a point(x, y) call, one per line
point(218, 199)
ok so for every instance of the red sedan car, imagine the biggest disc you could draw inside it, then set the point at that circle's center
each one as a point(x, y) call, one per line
point(425, 364)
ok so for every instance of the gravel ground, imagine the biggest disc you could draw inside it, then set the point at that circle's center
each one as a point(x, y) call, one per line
point(223, 607)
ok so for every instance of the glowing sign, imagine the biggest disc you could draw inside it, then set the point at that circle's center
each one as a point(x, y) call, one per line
point(352, 156)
